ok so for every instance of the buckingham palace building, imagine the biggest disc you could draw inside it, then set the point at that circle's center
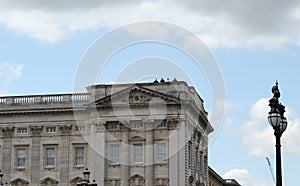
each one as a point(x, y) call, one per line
point(139, 134)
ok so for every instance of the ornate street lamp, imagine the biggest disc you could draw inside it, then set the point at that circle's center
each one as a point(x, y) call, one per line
point(86, 179)
point(279, 123)
point(1, 179)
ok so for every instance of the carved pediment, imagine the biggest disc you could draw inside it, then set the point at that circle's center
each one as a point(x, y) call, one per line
point(135, 95)
point(48, 181)
point(75, 180)
point(19, 181)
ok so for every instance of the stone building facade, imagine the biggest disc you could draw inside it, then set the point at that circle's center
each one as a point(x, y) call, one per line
point(143, 134)
point(214, 179)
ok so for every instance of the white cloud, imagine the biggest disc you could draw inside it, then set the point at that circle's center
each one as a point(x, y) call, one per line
point(10, 71)
point(218, 23)
point(257, 135)
point(244, 178)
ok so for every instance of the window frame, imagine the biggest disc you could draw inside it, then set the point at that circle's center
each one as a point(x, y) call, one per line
point(136, 125)
point(111, 155)
point(17, 158)
point(134, 154)
point(161, 124)
point(19, 129)
point(75, 156)
point(46, 166)
point(51, 127)
point(79, 128)
point(163, 153)
point(113, 125)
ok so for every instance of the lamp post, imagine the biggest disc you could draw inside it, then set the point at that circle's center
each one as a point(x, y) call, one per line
point(279, 123)
point(86, 179)
point(1, 178)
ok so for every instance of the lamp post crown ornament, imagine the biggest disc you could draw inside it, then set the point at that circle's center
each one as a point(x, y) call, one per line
point(275, 90)
point(276, 115)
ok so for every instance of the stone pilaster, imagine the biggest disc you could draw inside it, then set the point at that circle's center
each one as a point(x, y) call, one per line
point(124, 155)
point(64, 156)
point(36, 132)
point(7, 151)
point(149, 154)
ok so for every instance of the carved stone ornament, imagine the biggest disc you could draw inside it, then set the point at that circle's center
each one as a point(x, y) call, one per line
point(65, 129)
point(19, 181)
point(137, 180)
point(48, 181)
point(8, 131)
point(173, 123)
point(36, 130)
point(161, 181)
point(138, 98)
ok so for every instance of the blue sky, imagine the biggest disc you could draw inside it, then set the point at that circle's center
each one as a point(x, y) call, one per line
point(42, 44)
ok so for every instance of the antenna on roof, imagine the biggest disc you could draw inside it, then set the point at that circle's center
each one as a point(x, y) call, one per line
point(270, 167)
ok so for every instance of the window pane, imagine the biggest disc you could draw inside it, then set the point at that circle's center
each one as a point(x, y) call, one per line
point(162, 124)
point(136, 125)
point(21, 157)
point(22, 130)
point(137, 153)
point(51, 129)
point(79, 155)
point(161, 152)
point(114, 153)
point(79, 128)
point(50, 156)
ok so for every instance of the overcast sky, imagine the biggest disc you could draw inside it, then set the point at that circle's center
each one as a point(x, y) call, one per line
point(254, 43)
point(233, 23)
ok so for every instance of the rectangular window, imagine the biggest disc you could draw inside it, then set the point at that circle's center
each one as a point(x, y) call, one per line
point(161, 124)
point(136, 125)
point(161, 152)
point(50, 157)
point(79, 156)
point(21, 158)
point(138, 153)
point(22, 131)
point(114, 153)
point(79, 128)
point(114, 125)
point(50, 129)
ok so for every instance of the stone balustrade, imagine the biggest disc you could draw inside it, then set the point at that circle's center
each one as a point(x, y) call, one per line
point(44, 99)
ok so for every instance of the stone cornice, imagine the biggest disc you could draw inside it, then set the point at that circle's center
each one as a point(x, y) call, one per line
point(26, 111)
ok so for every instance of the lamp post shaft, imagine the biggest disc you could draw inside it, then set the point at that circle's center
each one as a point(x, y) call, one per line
point(278, 161)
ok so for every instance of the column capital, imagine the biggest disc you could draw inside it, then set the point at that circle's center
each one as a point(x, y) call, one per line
point(65, 129)
point(8, 131)
point(36, 130)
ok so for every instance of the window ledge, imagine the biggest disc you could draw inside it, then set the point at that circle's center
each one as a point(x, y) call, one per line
point(78, 166)
point(50, 167)
point(114, 164)
point(161, 163)
point(21, 168)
